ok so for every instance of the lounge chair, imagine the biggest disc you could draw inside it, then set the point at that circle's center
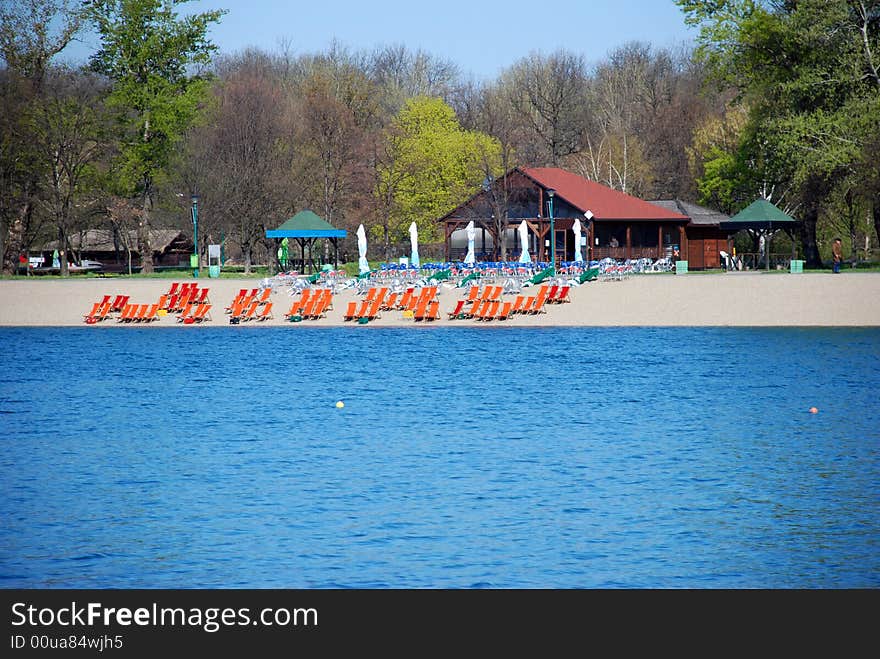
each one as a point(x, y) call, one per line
point(518, 304)
point(310, 306)
point(201, 314)
point(538, 307)
point(388, 304)
point(373, 312)
point(240, 297)
point(152, 313)
point(562, 295)
point(319, 310)
point(141, 313)
point(504, 314)
point(351, 311)
point(405, 300)
point(472, 311)
point(458, 307)
point(103, 312)
point(127, 313)
point(489, 314)
point(365, 306)
point(119, 302)
point(186, 311)
point(248, 314)
point(297, 307)
point(483, 310)
point(237, 308)
point(433, 310)
point(421, 307)
point(91, 314)
point(552, 292)
point(265, 312)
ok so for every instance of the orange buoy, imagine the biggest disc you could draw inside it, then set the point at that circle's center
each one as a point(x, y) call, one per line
point(814, 410)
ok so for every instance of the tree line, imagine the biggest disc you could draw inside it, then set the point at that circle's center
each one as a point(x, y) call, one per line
point(778, 100)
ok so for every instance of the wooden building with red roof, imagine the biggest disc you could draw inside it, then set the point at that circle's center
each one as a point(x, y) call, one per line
point(616, 225)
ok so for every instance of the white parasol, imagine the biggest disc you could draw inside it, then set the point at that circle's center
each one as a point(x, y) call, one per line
point(577, 241)
point(524, 243)
point(414, 242)
point(363, 266)
point(471, 234)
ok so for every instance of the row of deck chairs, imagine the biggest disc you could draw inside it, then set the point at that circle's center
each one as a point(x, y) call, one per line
point(312, 305)
point(250, 305)
point(101, 310)
point(423, 304)
point(178, 301)
point(188, 301)
point(488, 306)
point(192, 304)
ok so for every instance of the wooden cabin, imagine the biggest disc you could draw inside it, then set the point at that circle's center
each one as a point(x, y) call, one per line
point(705, 237)
point(615, 224)
point(171, 248)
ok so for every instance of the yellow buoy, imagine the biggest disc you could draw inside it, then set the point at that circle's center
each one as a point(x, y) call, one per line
point(340, 404)
point(814, 410)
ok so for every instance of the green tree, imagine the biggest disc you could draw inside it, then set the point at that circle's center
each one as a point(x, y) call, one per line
point(32, 33)
point(808, 71)
point(432, 166)
point(148, 52)
point(69, 128)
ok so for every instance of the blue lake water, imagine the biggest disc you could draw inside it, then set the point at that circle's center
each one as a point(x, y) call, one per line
point(500, 457)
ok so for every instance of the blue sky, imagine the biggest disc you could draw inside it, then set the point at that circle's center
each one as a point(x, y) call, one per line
point(482, 36)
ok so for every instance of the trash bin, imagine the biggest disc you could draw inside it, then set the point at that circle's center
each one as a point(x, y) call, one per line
point(681, 267)
point(214, 271)
point(797, 266)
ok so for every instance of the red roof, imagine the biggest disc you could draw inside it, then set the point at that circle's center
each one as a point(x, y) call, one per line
point(605, 203)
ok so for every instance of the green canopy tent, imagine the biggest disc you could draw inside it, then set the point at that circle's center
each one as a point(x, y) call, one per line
point(306, 228)
point(763, 217)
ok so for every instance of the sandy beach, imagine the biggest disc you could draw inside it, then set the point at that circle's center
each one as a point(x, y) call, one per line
point(732, 299)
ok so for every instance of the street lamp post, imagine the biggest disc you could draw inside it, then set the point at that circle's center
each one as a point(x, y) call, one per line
point(195, 220)
point(589, 215)
point(550, 194)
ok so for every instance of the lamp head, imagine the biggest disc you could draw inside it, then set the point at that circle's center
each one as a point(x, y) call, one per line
point(195, 198)
point(551, 192)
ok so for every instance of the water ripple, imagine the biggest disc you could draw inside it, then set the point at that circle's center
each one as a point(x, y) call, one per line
point(463, 458)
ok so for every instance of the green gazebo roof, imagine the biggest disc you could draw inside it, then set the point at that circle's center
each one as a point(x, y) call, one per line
point(306, 224)
point(760, 214)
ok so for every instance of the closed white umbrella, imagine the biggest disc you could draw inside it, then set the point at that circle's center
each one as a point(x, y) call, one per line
point(524, 243)
point(471, 234)
point(414, 242)
point(577, 241)
point(363, 266)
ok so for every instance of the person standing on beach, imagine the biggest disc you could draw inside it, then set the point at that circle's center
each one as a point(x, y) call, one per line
point(837, 256)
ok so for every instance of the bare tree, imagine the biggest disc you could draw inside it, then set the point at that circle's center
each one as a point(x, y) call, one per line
point(237, 160)
point(548, 93)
